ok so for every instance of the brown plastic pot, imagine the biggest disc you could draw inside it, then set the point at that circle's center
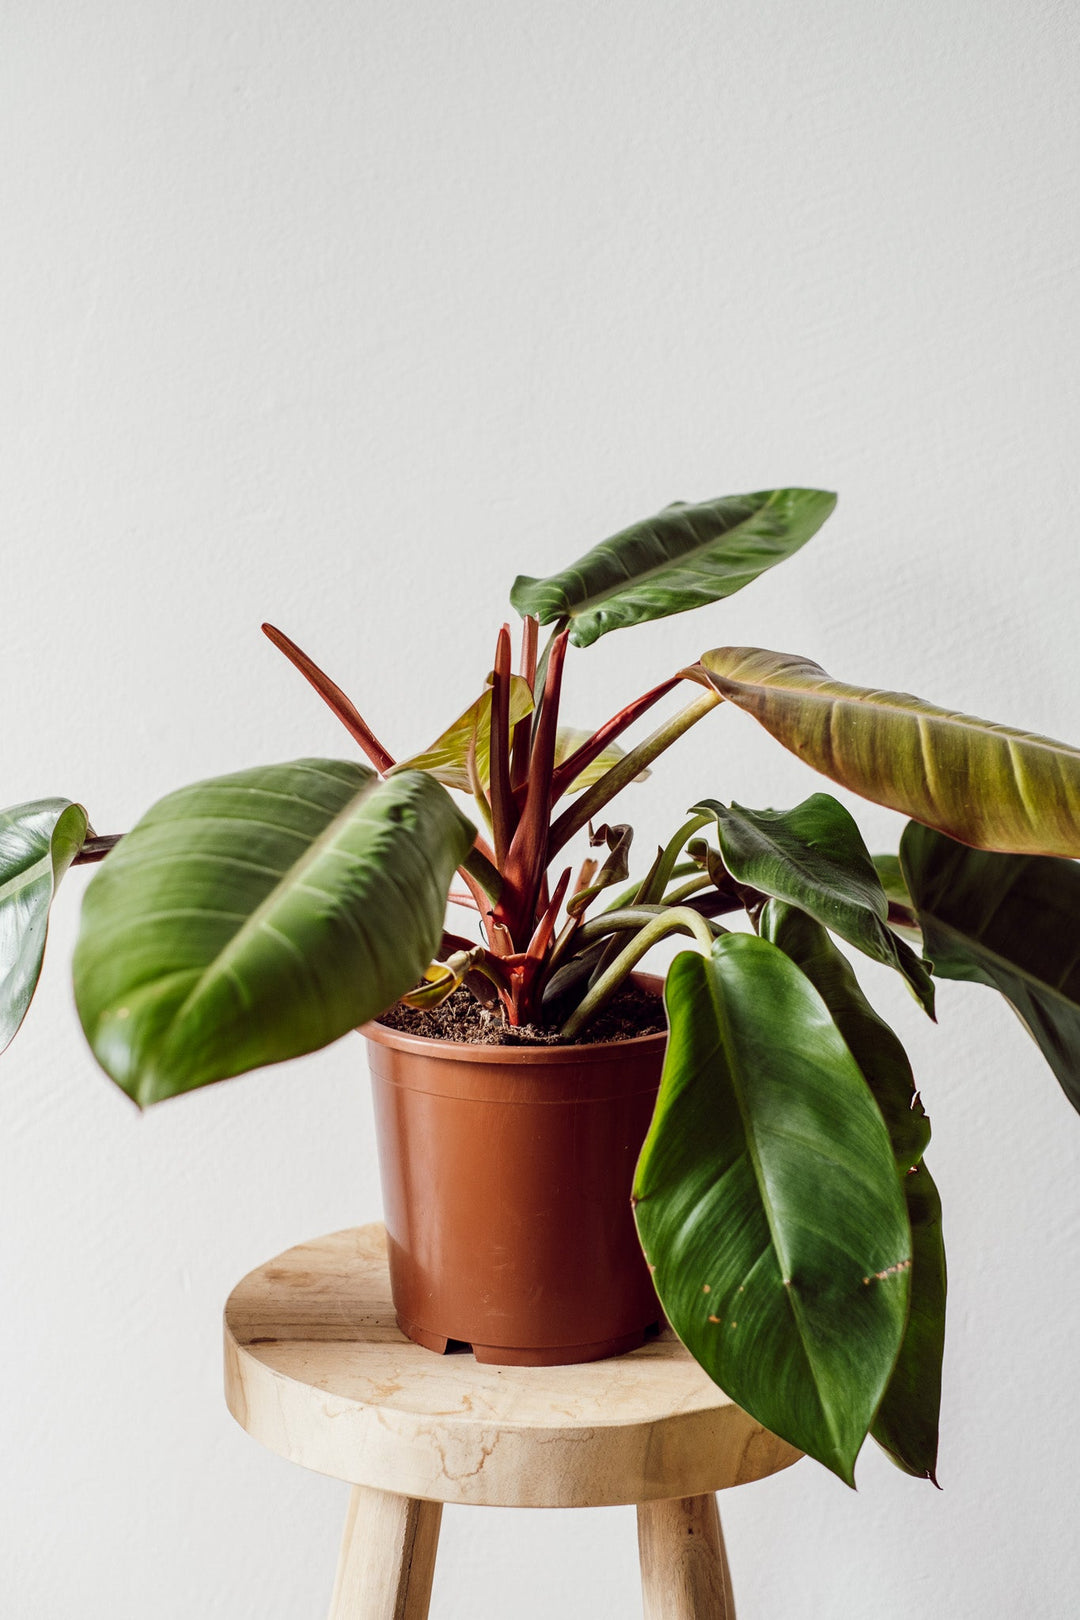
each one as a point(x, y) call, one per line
point(506, 1175)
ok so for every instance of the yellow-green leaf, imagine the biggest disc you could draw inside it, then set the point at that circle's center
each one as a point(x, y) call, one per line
point(984, 784)
point(447, 757)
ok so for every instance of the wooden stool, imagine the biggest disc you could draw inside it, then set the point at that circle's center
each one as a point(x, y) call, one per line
point(318, 1370)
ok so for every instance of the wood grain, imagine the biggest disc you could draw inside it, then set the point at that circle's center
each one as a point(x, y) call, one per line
point(387, 1557)
point(684, 1567)
point(318, 1371)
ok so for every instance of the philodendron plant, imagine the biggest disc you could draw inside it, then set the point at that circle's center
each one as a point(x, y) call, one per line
point(782, 1197)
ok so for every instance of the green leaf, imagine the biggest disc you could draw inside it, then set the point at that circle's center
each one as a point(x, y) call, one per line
point(891, 878)
point(1009, 921)
point(873, 1045)
point(768, 1201)
point(979, 782)
point(680, 559)
point(258, 916)
point(38, 842)
point(906, 1424)
point(447, 757)
point(814, 857)
point(901, 910)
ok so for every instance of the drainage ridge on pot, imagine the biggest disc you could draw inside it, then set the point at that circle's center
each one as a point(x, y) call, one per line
point(506, 1175)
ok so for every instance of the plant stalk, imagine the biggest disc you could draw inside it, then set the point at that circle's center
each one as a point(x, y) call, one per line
point(676, 919)
point(587, 804)
point(95, 848)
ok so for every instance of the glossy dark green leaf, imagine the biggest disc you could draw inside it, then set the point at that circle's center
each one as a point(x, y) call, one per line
point(38, 842)
point(261, 915)
point(873, 1045)
point(769, 1204)
point(906, 1424)
point(982, 783)
point(1010, 921)
point(814, 857)
point(680, 559)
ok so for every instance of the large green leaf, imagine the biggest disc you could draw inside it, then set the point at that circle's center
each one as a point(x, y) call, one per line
point(261, 915)
point(906, 1424)
point(873, 1045)
point(982, 783)
point(814, 857)
point(38, 842)
point(447, 758)
point(680, 559)
point(769, 1203)
point(1009, 921)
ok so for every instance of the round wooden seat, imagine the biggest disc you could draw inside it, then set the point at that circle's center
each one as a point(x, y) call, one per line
point(318, 1371)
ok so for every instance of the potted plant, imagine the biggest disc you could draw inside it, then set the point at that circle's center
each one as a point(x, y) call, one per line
point(791, 1228)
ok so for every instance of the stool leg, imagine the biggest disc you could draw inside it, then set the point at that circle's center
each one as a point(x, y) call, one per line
point(684, 1567)
point(387, 1557)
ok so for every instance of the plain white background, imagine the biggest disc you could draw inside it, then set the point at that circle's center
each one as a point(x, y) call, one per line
point(343, 315)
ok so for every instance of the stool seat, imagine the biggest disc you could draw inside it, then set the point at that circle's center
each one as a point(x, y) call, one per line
point(317, 1369)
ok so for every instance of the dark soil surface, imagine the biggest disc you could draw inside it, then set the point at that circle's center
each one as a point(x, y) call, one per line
point(631, 1012)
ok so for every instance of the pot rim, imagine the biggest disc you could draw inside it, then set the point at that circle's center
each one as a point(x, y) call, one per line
point(467, 1052)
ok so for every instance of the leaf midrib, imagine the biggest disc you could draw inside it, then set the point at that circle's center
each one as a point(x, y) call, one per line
point(255, 919)
point(29, 875)
point(863, 697)
point(787, 1281)
point(771, 848)
point(664, 567)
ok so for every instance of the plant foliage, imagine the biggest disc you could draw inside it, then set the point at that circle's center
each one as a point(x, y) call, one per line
point(782, 1195)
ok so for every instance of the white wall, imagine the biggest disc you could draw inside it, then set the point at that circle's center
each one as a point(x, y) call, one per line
point(342, 315)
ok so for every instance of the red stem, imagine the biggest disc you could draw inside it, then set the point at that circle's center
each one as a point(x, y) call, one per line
point(502, 799)
point(457, 897)
point(582, 758)
point(348, 714)
point(519, 757)
point(527, 857)
point(546, 926)
point(483, 906)
point(331, 693)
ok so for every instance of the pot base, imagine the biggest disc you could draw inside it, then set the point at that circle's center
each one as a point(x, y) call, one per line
point(559, 1355)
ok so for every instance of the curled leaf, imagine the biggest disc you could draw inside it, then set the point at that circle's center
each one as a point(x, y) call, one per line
point(615, 869)
point(441, 979)
point(38, 842)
